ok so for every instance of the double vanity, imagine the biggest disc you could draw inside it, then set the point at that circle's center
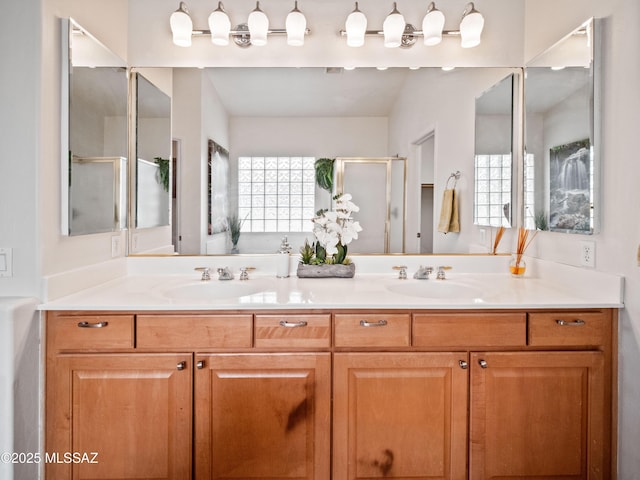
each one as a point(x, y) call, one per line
point(478, 376)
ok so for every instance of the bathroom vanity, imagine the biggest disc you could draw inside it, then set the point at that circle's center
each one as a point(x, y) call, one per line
point(296, 381)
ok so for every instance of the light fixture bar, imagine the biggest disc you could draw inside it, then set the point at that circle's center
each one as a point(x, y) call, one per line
point(240, 32)
point(415, 33)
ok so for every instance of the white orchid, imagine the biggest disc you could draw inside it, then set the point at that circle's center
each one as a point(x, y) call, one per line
point(335, 229)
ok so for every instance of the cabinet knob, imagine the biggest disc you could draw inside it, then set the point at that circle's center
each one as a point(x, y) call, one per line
point(181, 365)
point(575, 323)
point(379, 323)
point(482, 363)
point(463, 364)
point(200, 365)
point(92, 325)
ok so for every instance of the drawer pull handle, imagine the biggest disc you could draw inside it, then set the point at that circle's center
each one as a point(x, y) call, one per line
point(284, 323)
point(200, 365)
point(181, 365)
point(379, 323)
point(92, 325)
point(575, 323)
point(463, 364)
point(482, 363)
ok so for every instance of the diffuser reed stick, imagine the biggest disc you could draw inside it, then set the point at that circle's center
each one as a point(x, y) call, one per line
point(496, 241)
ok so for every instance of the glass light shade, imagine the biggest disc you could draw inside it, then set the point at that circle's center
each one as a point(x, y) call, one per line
point(220, 26)
point(181, 26)
point(393, 28)
point(356, 26)
point(432, 26)
point(471, 27)
point(258, 26)
point(296, 25)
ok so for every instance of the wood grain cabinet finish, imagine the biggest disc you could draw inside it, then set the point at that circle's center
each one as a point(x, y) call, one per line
point(344, 395)
point(263, 416)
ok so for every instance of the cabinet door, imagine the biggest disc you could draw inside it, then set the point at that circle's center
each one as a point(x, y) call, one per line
point(133, 411)
point(263, 416)
point(537, 415)
point(400, 415)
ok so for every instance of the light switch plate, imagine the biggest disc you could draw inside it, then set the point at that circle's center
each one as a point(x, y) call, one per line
point(6, 262)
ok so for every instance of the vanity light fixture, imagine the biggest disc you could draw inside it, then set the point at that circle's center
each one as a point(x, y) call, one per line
point(471, 27)
point(356, 28)
point(258, 26)
point(220, 26)
point(432, 25)
point(181, 26)
point(296, 26)
point(254, 32)
point(393, 28)
point(398, 33)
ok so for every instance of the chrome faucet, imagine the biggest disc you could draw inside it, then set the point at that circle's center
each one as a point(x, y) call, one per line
point(225, 274)
point(423, 273)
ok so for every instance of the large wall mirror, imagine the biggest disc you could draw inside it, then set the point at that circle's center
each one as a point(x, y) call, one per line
point(495, 192)
point(94, 135)
point(153, 155)
point(561, 161)
point(268, 118)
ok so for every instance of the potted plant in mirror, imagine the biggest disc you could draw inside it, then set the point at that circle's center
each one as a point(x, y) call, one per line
point(163, 172)
point(517, 265)
point(235, 226)
point(334, 231)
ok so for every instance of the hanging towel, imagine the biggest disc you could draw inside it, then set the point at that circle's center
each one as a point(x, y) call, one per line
point(449, 220)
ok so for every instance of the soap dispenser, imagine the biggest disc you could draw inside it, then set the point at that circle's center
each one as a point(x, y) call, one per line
point(282, 259)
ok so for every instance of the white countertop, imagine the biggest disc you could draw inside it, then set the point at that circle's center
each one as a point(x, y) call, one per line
point(155, 287)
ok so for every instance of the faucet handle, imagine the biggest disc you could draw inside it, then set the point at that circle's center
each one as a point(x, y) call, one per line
point(441, 269)
point(244, 272)
point(206, 273)
point(402, 274)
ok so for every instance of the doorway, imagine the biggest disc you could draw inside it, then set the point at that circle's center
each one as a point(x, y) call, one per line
point(426, 157)
point(175, 207)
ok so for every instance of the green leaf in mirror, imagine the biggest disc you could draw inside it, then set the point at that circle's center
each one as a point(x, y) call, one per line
point(324, 173)
point(163, 172)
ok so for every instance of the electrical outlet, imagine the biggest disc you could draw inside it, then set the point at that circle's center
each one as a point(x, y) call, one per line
point(588, 254)
point(115, 246)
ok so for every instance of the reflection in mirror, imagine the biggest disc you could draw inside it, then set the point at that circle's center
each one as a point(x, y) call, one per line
point(560, 156)
point(153, 153)
point(494, 200)
point(94, 135)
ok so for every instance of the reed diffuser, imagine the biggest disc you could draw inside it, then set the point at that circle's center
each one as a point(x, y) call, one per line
point(517, 266)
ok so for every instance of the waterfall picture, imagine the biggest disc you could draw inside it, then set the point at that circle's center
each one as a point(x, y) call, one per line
point(570, 187)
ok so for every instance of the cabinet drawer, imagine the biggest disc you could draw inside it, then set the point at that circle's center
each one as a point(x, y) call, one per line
point(194, 331)
point(90, 332)
point(372, 330)
point(470, 329)
point(568, 328)
point(291, 331)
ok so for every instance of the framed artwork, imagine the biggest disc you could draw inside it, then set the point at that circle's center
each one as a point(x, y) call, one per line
point(218, 188)
point(570, 187)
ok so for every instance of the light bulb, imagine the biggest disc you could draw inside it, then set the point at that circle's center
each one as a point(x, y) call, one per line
point(471, 27)
point(296, 26)
point(181, 26)
point(258, 26)
point(393, 28)
point(356, 26)
point(432, 25)
point(220, 26)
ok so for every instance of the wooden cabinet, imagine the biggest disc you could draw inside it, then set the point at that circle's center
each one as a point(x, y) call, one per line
point(263, 416)
point(537, 415)
point(129, 414)
point(343, 395)
point(400, 415)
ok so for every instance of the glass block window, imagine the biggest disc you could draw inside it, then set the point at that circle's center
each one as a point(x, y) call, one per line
point(493, 190)
point(529, 192)
point(276, 194)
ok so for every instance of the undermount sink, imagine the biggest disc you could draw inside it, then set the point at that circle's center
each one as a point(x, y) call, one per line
point(212, 290)
point(436, 289)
